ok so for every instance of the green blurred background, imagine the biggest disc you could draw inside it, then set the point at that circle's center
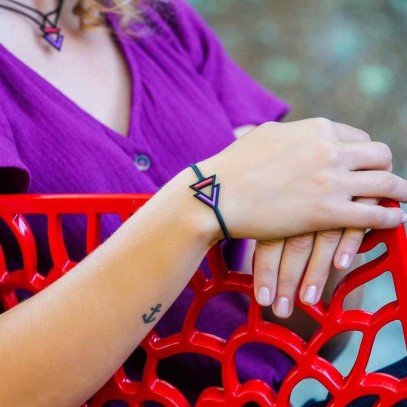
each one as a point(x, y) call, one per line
point(341, 59)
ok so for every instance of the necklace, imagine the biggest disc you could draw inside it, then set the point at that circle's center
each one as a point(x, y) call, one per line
point(47, 22)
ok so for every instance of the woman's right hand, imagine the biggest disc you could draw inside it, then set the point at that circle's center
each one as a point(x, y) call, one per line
point(286, 179)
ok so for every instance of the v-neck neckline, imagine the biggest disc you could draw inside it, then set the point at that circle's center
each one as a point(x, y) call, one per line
point(132, 137)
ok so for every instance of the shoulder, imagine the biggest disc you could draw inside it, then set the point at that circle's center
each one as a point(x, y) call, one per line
point(172, 13)
point(177, 24)
point(176, 20)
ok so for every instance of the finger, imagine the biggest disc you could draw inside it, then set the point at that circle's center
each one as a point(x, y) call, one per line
point(348, 133)
point(296, 254)
point(351, 241)
point(319, 266)
point(267, 263)
point(373, 184)
point(367, 156)
point(361, 216)
point(348, 248)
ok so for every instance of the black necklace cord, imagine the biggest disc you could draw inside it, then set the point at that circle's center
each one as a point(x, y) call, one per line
point(48, 26)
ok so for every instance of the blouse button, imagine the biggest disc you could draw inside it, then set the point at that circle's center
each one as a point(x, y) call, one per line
point(142, 162)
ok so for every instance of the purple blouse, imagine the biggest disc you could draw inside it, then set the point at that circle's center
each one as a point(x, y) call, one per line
point(187, 97)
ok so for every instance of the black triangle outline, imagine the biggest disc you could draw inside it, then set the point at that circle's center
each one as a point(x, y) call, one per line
point(198, 190)
point(199, 194)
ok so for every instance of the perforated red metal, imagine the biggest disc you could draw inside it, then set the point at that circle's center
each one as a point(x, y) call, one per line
point(332, 318)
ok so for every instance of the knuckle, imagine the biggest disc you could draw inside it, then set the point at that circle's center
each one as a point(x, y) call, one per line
point(390, 167)
point(386, 154)
point(353, 240)
point(326, 214)
point(383, 151)
point(330, 236)
point(269, 244)
point(365, 136)
point(328, 208)
point(264, 272)
point(323, 181)
point(301, 242)
point(376, 217)
point(327, 152)
point(323, 124)
point(333, 153)
point(268, 124)
point(264, 268)
point(389, 182)
point(287, 283)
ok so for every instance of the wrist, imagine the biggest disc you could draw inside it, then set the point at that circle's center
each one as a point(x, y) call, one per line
point(197, 219)
point(196, 214)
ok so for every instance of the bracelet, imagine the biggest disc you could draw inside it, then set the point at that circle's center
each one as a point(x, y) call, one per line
point(212, 200)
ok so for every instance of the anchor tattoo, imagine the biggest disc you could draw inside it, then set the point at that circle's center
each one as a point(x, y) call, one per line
point(151, 318)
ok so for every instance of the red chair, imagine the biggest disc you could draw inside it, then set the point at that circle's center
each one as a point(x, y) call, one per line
point(332, 318)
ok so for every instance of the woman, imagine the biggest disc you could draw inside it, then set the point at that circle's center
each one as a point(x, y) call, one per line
point(114, 112)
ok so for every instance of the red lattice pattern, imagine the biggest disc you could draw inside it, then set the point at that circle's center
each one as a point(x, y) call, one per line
point(332, 318)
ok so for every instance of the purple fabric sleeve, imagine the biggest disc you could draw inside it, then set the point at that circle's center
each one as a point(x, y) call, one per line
point(244, 99)
point(14, 175)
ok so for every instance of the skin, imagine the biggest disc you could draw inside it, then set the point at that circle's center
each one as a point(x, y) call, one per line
point(317, 255)
point(106, 77)
point(323, 257)
point(321, 163)
point(101, 85)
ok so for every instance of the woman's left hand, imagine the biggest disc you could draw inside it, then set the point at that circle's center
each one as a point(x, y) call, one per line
point(280, 265)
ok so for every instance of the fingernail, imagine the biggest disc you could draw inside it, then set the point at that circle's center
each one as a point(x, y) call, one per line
point(344, 260)
point(263, 296)
point(404, 220)
point(282, 307)
point(310, 294)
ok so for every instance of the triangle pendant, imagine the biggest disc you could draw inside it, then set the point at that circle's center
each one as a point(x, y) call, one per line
point(55, 42)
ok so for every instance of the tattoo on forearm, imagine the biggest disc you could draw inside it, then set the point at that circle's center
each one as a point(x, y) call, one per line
point(151, 318)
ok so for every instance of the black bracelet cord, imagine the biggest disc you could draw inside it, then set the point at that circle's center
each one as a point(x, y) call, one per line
point(211, 201)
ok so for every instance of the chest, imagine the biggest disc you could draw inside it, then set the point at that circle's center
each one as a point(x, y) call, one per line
point(98, 81)
point(90, 70)
point(175, 119)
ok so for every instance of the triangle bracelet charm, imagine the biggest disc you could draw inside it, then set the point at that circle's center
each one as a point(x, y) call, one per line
point(211, 200)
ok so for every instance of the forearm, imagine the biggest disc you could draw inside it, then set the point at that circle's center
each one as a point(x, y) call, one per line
point(60, 346)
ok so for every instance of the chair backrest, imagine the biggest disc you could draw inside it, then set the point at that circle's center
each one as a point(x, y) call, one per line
point(332, 318)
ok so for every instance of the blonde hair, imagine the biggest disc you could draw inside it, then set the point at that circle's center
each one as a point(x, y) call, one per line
point(91, 12)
